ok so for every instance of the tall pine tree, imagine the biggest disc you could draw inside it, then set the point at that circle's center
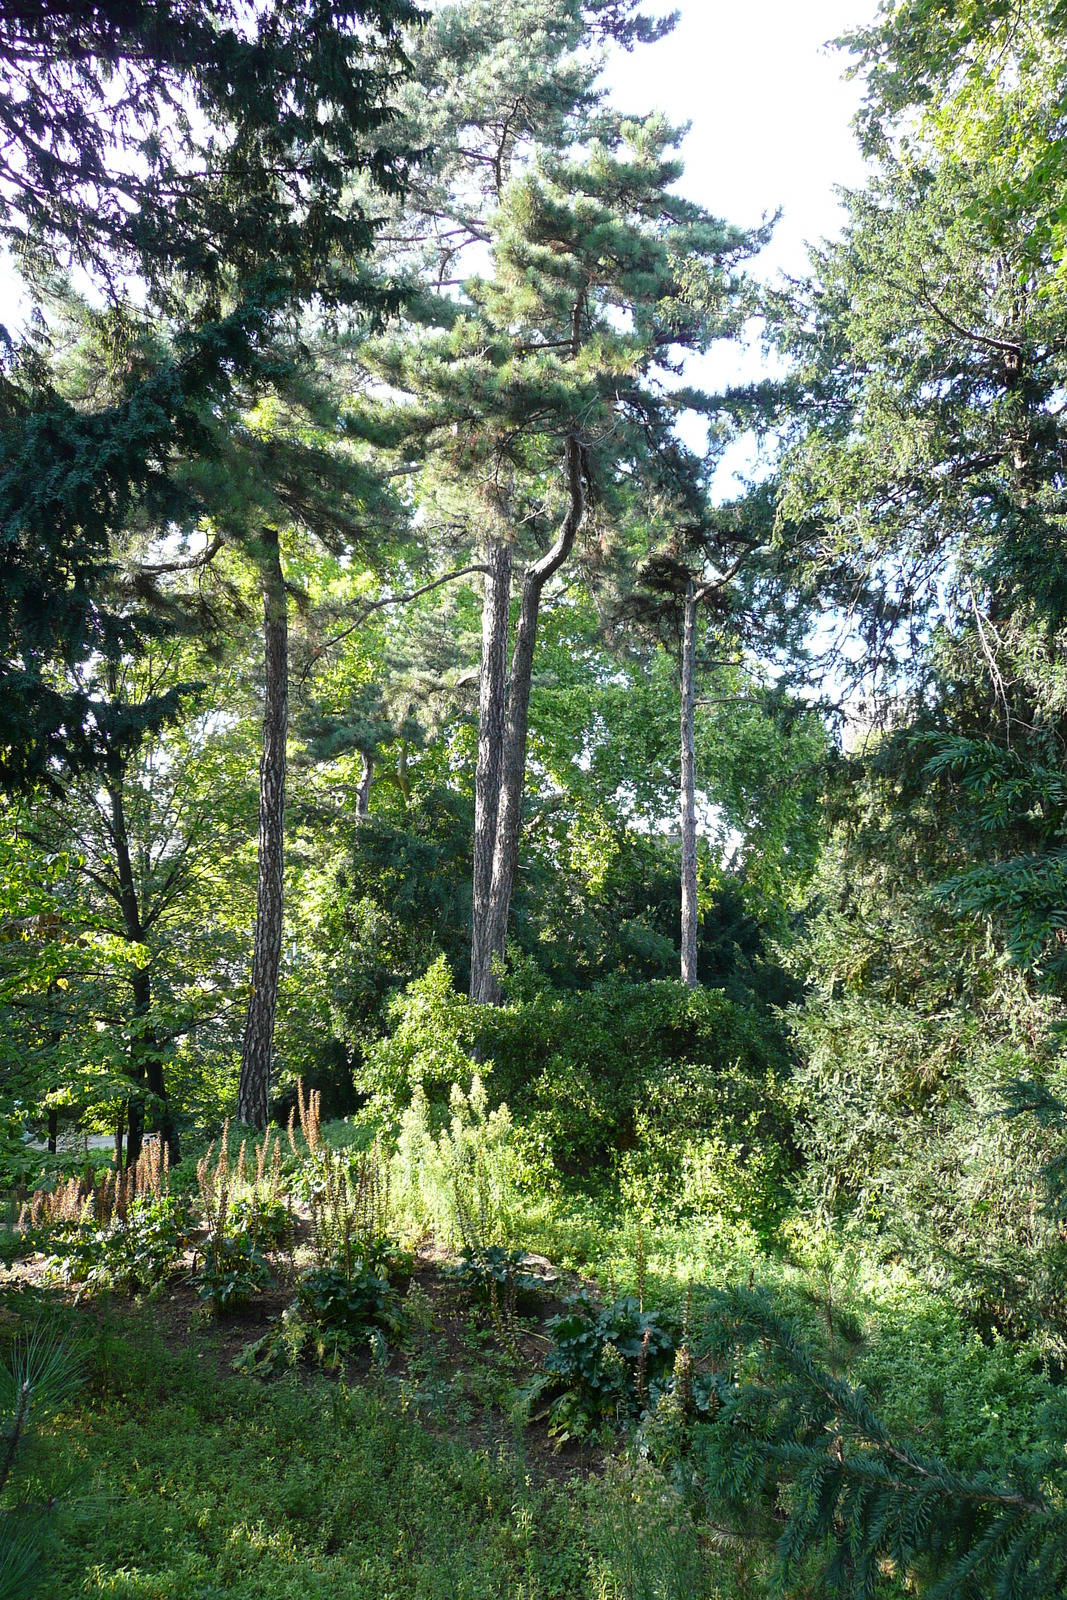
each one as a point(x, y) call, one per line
point(541, 405)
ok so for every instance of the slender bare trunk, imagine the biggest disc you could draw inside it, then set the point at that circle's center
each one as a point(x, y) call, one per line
point(146, 1061)
point(688, 789)
point(363, 792)
point(253, 1095)
point(513, 772)
point(492, 713)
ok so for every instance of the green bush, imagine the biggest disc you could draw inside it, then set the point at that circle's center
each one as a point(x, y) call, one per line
point(134, 1254)
point(232, 1270)
point(362, 1298)
point(263, 1217)
point(605, 1363)
point(497, 1274)
point(433, 1032)
point(333, 1306)
point(611, 1081)
point(588, 1069)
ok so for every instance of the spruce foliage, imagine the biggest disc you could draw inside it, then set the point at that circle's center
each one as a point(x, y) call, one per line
point(251, 132)
point(868, 1506)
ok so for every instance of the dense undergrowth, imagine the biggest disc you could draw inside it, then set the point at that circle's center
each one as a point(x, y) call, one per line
point(349, 1362)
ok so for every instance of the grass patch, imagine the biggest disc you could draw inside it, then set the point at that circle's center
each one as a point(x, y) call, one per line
point(195, 1483)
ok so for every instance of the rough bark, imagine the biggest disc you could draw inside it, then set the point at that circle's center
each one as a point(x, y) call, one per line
point(492, 713)
point(688, 789)
point(513, 776)
point(146, 1061)
point(253, 1095)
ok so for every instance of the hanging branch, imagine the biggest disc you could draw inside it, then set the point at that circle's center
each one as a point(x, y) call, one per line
point(379, 605)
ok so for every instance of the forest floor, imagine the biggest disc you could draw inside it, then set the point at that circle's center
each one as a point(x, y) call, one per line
point(415, 1470)
point(415, 1475)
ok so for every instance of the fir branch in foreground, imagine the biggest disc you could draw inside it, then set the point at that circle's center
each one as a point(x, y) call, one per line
point(871, 1509)
point(39, 1376)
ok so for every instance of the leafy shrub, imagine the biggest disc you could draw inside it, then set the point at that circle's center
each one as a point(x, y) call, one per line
point(332, 1308)
point(679, 1176)
point(434, 1030)
point(264, 1218)
point(232, 1270)
point(618, 1073)
point(135, 1253)
point(605, 1363)
point(497, 1274)
point(350, 1301)
point(596, 1074)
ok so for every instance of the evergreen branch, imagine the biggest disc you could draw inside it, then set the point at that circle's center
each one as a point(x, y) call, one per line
point(862, 1495)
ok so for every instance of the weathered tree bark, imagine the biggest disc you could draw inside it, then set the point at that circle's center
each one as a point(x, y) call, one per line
point(513, 773)
point(146, 1061)
point(363, 792)
point(492, 715)
point(253, 1095)
point(688, 788)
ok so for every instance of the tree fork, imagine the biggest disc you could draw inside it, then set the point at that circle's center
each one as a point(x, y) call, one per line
point(253, 1093)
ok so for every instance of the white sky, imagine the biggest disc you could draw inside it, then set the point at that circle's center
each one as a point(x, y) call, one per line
point(770, 117)
point(769, 111)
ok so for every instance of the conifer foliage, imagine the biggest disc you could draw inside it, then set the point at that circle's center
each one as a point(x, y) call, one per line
point(867, 1505)
point(540, 409)
point(192, 161)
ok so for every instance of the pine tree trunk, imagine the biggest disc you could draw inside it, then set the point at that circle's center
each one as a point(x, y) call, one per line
point(363, 792)
point(253, 1095)
point(146, 1062)
point(513, 770)
point(492, 713)
point(688, 790)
